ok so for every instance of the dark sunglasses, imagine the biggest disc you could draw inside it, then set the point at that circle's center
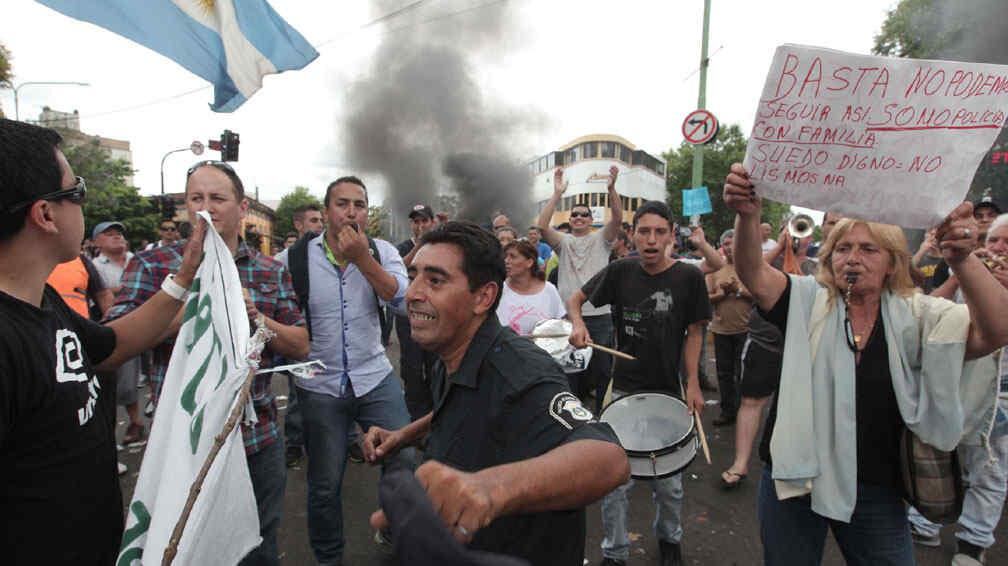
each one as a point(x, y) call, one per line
point(168, 229)
point(580, 215)
point(212, 163)
point(74, 194)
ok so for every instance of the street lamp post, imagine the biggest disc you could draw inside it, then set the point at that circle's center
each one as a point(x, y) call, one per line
point(196, 147)
point(17, 110)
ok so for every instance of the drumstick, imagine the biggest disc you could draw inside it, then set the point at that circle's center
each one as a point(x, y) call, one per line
point(703, 437)
point(616, 353)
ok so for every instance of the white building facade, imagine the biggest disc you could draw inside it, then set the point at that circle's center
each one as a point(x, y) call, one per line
point(586, 162)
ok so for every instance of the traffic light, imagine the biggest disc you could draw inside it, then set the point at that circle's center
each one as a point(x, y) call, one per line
point(229, 146)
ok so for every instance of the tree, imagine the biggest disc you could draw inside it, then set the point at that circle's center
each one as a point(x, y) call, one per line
point(6, 71)
point(108, 195)
point(960, 31)
point(728, 148)
point(377, 217)
point(300, 196)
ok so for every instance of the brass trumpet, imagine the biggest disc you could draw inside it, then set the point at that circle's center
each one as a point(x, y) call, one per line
point(995, 262)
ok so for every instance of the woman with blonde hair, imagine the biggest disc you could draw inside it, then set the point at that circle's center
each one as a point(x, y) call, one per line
point(864, 357)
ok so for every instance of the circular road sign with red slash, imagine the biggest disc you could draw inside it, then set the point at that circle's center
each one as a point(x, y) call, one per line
point(699, 127)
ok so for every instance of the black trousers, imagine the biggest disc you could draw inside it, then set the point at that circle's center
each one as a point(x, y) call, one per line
point(728, 358)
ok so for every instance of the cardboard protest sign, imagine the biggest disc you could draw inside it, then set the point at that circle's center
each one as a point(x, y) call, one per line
point(877, 138)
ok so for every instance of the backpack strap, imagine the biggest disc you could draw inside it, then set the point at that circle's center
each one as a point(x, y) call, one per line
point(297, 264)
point(383, 319)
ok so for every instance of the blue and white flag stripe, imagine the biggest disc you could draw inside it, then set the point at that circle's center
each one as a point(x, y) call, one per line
point(231, 43)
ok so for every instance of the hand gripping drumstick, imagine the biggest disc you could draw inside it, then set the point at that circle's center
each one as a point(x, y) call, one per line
point(616, 353)
point(699, 426)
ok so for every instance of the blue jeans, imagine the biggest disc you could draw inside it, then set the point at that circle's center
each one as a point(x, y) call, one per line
point(269, 479)
point(985, 494)
point(667, 494)
point(327, 421)
point(293, 425)
point(794, 535)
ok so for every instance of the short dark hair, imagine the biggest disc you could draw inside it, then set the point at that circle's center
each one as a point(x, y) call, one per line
point(291, 235)
point(28, 167)
point(348, 179)
point(232, 175)
point(482, 260)
point(536, 228)
point(300, 211)
point(563, 226)
point(653, 207)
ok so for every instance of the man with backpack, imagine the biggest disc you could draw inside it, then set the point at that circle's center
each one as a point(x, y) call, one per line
point(343, 280)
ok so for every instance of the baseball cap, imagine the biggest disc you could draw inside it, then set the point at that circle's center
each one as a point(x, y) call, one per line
point(988, 202)
point(422, 209)
point(102, 226)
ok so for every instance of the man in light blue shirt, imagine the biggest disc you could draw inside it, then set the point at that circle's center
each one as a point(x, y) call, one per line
point(344, 280)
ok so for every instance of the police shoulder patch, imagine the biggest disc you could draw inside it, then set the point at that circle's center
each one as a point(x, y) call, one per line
point(568, 411)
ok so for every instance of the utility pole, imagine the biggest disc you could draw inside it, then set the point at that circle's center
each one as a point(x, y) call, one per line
point(698, 149)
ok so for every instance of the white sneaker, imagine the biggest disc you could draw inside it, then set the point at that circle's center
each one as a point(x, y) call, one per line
point(121, 467)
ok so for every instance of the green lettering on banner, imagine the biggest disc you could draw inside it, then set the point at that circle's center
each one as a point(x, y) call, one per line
point(195, 429)
point(188, 398)
point(143, 518)
point(190, 308)
point(204, 321)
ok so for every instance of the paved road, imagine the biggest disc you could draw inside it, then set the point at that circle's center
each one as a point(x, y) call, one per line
point(720, 527)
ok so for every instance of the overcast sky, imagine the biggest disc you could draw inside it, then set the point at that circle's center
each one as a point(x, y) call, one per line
point(588, 66)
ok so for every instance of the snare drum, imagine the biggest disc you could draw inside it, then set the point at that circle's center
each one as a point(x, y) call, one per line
point(657, 432)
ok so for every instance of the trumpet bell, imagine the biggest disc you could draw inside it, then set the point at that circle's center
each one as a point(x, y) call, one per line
point(801, 226)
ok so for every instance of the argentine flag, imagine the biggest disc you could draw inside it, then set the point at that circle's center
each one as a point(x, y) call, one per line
point(231, 43)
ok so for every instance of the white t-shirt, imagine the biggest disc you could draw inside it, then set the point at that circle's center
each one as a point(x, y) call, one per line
point(522, 312)
point(580, 259)
point(769, 245)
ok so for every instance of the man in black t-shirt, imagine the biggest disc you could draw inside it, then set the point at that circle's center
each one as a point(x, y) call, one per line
point(413, 363)
point(58, 480)
point(663, 306)
point(508, 443)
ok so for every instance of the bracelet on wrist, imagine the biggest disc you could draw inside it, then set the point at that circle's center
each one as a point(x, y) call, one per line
point(173, 289)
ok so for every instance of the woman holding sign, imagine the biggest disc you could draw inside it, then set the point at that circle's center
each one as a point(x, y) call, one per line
point(866, 357)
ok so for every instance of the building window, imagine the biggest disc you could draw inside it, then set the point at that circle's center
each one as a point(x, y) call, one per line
point(589, 150)
point(609, 150)
point(624, 153)
point(626, 202)
point(567, 203)
point(550, 161)
point(571, 156)
point(593, 199)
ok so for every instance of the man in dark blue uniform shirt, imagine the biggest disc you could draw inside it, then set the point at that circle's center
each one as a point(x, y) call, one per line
point(513, 457)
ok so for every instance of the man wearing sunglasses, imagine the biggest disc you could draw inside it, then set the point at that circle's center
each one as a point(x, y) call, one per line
point(582, 254)
point(169, 235)
point(214, 186)
point(57, 416)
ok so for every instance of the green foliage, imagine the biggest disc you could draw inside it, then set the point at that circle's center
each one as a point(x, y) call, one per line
point(920, 29)
point(300, 196)
point(933, 29)
point(377, 216)
point(6, 71)
point(728, 148)
point(109, 197)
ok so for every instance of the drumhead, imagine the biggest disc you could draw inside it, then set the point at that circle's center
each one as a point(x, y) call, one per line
point(649, 422)
point(656, 430)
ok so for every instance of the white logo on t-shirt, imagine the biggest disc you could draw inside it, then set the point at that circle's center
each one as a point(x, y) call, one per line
point(69, 357)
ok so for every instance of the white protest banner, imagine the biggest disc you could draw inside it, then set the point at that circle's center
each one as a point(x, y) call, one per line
point(876, 138)
point(208, 366)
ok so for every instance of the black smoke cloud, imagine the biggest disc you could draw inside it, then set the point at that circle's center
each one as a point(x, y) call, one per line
point(420, 119)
